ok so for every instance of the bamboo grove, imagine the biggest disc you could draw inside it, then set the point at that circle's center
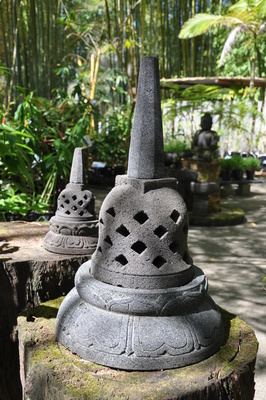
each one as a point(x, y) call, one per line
point(38, 36)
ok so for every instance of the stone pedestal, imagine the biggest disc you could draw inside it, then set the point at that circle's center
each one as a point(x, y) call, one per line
point(207, 172)
point(50, 371)
point(202, 191)
point(243, 189)
point(184, 178)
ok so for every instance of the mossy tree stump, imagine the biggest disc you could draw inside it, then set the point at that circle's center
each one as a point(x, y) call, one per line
point(49, 371)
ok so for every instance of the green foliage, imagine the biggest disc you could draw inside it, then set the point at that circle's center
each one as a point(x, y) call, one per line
point(37, 146)
point(252, 163)
point(36, 149)
point(237, 163)
point(16, 155)
point(226, 164)
point(111, 143)
point(15, 201)
point(200, 24)
point(245, 24)
point(175, 146)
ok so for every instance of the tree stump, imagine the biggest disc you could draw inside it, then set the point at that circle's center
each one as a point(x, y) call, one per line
point(49, 371)
point(28, 275)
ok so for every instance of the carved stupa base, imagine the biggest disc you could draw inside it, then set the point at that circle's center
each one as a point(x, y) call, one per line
point(68, 244)
point(137, 329)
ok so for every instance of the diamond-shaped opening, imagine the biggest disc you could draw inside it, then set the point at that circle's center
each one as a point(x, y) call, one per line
point(185, 229)
point(81, 213)
point(85, 197)
point(80, 202)
point(174, 247)
point(159, 261)
point(62, 205)
point(67, 212)
point(111, 211)
point(141, 217)
point(101, 221)
point(74, 197)
point(186, 257)
point(100, 249)
point(121, 259)
point(160, 231)
point(123, 230)
point(175, 215)
point(108, 240)
point(63, 195)
point(139, 247)
point(67, 201)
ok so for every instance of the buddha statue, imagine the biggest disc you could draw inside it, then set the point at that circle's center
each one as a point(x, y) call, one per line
point(205, 141)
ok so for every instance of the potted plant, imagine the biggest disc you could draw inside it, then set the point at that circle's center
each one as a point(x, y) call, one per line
point(172, 152)
point(226, 168)
point(251, 164)
point(238, 166)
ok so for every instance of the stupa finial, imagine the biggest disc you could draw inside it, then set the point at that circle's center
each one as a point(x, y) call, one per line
point(78, 166)
point(146, 147)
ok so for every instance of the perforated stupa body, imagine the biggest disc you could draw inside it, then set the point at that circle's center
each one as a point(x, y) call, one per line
point(140, 303)
point(74, 228)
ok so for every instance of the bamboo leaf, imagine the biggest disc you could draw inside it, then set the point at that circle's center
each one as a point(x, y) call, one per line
point(261, 8)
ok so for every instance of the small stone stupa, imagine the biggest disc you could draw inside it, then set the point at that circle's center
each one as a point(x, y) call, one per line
point(140, 303)
point(74, 228)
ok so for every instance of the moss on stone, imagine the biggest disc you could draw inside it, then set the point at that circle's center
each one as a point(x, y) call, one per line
point(228, 216)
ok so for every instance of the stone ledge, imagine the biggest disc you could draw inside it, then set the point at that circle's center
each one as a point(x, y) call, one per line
point(49, 371)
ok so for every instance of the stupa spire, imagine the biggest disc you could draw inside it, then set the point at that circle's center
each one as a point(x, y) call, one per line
point(146, 147)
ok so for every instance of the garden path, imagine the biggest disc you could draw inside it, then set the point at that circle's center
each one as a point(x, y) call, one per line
point(234, 260)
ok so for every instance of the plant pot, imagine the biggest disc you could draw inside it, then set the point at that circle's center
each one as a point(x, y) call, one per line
point(237, 174)
point(250, 174)
point(226, 174)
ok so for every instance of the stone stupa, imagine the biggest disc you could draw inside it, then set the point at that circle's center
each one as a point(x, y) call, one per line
point(74, 228)
point(140, 303)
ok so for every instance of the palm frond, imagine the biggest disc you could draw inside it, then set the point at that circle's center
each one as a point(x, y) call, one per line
point(261, 8)
point(203, 23)
point(241, 5)
point(248, 9)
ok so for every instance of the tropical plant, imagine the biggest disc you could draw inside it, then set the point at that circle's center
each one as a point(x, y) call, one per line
point(251, 163)
point(111, 142)
point(226, 164)
point(175, 146)
point(37, 144)
point(16, 203)
point(16, 154)
point(237, 163)
point(246, 16)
